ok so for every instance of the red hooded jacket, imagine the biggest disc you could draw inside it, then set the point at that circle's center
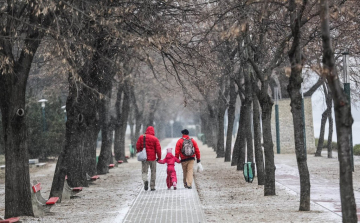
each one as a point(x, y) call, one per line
point(152, 144)
point(178, 148)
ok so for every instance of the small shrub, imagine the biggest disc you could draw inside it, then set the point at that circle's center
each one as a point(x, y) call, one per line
point(333, 144)
point(357, 150)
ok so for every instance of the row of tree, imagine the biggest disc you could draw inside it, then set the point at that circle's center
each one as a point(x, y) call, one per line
point(266, 45)
point(126, 63)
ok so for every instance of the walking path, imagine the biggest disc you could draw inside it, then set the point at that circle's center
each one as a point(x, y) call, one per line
point(323, 192)
point(163, 205)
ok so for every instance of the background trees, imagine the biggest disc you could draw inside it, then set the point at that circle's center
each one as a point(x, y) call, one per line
point(148, 62)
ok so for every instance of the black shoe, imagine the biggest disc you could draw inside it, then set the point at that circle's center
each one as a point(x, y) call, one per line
point(185, 185)
point(146, 187)
point(189, 187)
point(153, 189)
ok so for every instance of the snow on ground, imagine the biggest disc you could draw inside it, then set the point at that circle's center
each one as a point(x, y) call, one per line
point(226, 197)
point(224, 194)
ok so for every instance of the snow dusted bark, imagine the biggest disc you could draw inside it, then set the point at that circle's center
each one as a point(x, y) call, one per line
point(231, 118)
point(259, 160)
point(295, 55)
point(343, 120)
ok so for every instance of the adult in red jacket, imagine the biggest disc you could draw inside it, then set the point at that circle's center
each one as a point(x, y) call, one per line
point(187, 162)
point(153, 149)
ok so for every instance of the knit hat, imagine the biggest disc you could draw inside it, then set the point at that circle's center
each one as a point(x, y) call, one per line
point(185, 132)
point(169, 150)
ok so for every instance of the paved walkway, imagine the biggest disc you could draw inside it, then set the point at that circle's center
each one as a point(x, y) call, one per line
point(163, 205)
point(323, 192)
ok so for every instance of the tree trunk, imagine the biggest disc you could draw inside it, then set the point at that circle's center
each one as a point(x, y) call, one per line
point(106, 135)
point(322, 133)
point(301, 156)
point(220, 153)
point(13, 79)
point(343, 120)
point(231, 118)
point(329, 145)
point(259, 160)
point(243, 137)
point(66, 162)
point(90, 144)
point(266, 107)
point(331, 124)
point(131, 124)
point(75, 135)
point(293, 88)
point(123, 122)
point(206, 128)
point(248, 103)
point(17, 178)
point(249, 142)
point(322, 126)
point(240, 142)
point(151, 114)
point(138, 124)
point(117, 140)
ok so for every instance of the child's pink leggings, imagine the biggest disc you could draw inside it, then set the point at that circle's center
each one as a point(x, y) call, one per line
point(171, 176)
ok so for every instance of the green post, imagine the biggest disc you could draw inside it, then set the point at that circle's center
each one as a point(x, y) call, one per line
point(277, 123)
point(277, 128)
point(347, 92)
point(304, 128)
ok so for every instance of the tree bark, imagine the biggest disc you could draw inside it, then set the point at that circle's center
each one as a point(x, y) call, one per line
point(331, 124)
point(329, 101)
point(231, 118)
point(66, 164)
point(17, 178)
point(213, 127)
point(117, 140)
point(90, 144)
point(269, 188)
point(343, 120)
point(248, 103)
point(322, 133)
point(75, 135)
point(12, 105)
point(293, 88)
point(106, 134)
point(240, 142)
point(220, 153)
point(259, 158)
point(266, 104)
point(123, 122)
point(324, 117)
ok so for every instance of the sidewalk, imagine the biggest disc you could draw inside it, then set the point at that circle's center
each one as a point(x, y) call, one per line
point(226, 197)
point(324, 192)
point(163, 205)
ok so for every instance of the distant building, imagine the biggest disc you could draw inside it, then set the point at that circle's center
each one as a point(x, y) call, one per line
point(287, 143)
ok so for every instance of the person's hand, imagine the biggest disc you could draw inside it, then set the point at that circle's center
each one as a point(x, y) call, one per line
point(157, 159)
point(198, 161)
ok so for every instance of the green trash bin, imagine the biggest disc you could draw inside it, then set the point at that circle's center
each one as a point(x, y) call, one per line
point(132, 150)
point(97, 159)
point(201, 137)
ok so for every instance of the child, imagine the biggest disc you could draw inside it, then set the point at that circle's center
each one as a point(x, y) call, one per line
point(170, 159)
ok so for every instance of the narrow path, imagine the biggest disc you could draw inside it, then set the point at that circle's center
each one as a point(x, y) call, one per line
point(323, 192)
point(163, 205)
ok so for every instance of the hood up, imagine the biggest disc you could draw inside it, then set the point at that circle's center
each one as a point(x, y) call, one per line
point(150, 130)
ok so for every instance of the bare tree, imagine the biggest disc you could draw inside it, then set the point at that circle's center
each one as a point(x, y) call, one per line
point(343, 119)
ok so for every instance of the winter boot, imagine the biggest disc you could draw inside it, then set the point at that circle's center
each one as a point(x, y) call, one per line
point(174, 184)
